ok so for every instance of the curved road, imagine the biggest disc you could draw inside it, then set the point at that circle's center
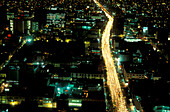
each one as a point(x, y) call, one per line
point(112, 77)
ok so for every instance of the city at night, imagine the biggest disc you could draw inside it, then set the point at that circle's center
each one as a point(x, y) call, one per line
point(84, 56)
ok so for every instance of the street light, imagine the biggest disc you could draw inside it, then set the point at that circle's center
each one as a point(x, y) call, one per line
point(68, 87)
point(29, 40)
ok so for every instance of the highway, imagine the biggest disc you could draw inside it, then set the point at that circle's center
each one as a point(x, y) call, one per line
point(112, 77)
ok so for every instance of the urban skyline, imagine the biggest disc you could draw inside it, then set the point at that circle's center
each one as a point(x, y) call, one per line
point(84, 55)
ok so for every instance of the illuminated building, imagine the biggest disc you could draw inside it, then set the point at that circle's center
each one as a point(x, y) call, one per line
point(161, 108)
point(61, 67)
point(20, 24)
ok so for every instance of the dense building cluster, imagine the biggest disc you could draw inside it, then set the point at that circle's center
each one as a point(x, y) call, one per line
point(53, 61)
point(51, 56)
